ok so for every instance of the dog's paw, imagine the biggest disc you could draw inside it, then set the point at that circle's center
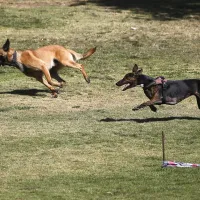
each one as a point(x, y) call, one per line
point(135, 109)
point(87, 79)
point(55, 94)
point(154, 109)
point(62, 84)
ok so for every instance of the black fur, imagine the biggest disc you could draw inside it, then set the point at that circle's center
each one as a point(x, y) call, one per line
point(170, 92)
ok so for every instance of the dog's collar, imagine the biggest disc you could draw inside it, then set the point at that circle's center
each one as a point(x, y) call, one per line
point(150, 84)
point(16, 63)
point(14, 60)
point(160, 80)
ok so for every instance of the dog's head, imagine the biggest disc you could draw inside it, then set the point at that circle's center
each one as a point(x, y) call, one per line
point(131, 79)
point(4, 53)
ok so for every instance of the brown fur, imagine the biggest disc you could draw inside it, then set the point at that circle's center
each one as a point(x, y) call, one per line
point(44, 63)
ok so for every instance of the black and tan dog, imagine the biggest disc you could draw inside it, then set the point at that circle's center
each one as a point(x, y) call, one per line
point(159, 90)
point(44, 63)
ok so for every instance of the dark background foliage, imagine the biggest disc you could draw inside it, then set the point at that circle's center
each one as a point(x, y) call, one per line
point(162, 10)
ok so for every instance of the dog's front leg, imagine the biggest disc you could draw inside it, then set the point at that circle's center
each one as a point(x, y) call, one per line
point(148, 103)
point(29, 59)
point(44, 81)
point(53, 90)
point(48, 77)
point(54, 74)
point(153, 108)
point(155, 100)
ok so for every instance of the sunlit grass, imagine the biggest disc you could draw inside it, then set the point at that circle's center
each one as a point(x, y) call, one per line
point(88, 143)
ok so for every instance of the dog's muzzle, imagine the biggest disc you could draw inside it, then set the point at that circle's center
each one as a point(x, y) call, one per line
point(126, 84)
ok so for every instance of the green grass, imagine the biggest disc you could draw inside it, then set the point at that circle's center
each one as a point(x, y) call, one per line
point(88, 144)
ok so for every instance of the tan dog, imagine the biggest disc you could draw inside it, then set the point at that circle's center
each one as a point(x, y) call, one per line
point(44, 63)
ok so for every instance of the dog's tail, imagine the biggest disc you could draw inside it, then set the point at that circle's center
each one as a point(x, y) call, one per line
point(89, 53)
point(78, 56)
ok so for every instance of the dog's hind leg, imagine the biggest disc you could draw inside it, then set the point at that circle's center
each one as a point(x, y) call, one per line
point(66, 59)
point(77, 66)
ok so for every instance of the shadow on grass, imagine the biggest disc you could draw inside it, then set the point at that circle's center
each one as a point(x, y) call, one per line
point(27, 92)
point(147, 120)
point(161, 10)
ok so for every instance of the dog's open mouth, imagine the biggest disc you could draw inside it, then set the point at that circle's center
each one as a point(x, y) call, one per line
point(127, 86)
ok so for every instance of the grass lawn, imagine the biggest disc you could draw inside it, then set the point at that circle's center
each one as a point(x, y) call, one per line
point(88, 144)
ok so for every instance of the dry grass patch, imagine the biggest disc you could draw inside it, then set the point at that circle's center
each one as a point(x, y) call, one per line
point(88, 143)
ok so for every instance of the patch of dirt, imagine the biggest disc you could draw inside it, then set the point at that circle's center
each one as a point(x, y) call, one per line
point(38, 3)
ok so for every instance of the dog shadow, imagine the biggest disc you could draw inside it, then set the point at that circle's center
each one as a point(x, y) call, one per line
point(27, 92)
point(149, 120)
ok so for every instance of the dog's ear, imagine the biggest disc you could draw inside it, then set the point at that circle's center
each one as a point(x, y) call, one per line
point(135, 68)
point(6, 46)
point(139, 71)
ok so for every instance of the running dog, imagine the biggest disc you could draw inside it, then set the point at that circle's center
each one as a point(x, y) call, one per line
point(44, 63)
point(159, 90)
